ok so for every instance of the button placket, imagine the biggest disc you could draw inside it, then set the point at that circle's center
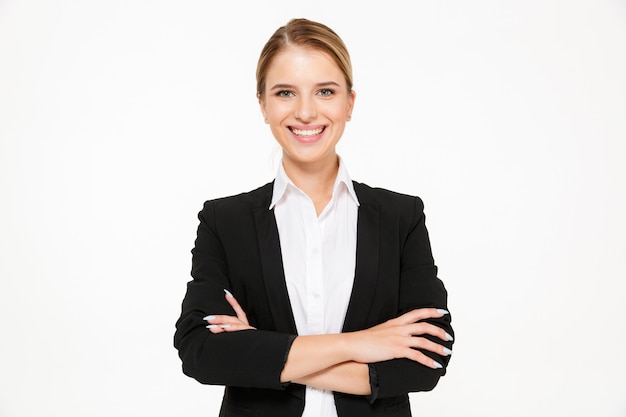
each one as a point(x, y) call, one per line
point(314, 272)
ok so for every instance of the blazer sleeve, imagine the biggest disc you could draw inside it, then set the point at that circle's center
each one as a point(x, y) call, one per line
point(419, 287)
point(247, 358)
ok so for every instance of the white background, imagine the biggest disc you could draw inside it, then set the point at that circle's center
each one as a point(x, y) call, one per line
point(119, 118)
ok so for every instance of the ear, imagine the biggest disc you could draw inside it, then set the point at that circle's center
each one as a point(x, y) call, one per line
point(262, 106)
point(351, 99)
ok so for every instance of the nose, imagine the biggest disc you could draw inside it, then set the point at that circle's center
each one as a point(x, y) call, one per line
point(306, 110)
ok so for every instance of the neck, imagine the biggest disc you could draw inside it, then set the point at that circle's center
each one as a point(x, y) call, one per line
point(315, 180)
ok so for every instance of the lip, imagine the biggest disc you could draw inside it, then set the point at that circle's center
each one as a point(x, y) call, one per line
point(307, 134)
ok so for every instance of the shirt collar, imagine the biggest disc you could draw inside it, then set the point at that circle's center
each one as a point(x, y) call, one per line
point(282, 181)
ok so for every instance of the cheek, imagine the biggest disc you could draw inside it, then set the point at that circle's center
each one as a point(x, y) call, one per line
point(339, 112)
point(276, 110)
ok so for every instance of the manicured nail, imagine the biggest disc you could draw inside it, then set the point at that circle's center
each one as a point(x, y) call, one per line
point(437, 364)
point(449, 337)
point(442, 311)
point(225, 326)
point(209, 318)
point(228, 292)
point(212, 326)
point(447, 351)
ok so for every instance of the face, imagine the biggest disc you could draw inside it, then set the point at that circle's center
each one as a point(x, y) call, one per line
point(307, 104)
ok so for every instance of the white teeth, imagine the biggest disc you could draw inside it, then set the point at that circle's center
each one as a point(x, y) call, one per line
point(311, 132)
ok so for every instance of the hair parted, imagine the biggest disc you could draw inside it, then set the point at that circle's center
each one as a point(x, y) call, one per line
point(308, 34)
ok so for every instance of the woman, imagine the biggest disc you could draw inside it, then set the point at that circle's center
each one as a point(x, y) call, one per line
point(313, 295)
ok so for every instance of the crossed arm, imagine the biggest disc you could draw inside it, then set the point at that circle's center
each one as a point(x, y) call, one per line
point(338, 362)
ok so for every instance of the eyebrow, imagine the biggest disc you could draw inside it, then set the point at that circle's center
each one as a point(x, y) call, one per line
point(318, 85)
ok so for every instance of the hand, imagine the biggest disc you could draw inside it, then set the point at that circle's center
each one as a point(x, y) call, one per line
point(400, 337)
point(223, 323)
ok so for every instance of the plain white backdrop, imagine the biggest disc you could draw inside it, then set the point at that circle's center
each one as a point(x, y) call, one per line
point(119, 118)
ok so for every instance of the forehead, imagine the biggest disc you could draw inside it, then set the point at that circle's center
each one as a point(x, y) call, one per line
point(302, 63)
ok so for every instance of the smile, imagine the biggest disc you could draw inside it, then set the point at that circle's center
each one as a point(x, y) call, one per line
point(307, 132)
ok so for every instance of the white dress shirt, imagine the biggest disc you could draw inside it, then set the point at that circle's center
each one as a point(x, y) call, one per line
point(319, 259)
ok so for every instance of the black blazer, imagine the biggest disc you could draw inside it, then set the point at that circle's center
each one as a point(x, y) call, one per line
point(238, 248)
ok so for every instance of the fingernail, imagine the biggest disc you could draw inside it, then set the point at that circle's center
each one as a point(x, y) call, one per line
point(209, 318)
point(437, 364)
point(211, 326)
point(225, 326)
point(228, 292)
point(442, 311)
point(449, 337)
point(447, 351)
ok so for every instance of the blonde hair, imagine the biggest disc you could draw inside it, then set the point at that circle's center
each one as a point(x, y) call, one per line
point(308, 34)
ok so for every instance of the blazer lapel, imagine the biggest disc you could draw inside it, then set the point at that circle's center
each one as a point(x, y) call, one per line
point(366, 272)
point(365, 276)
point(273, 273)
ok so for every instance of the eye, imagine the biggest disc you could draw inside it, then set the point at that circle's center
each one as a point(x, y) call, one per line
point(285, 93)
point(325, 92)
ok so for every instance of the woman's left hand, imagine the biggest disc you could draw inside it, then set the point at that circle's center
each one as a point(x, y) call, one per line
point(223, 323)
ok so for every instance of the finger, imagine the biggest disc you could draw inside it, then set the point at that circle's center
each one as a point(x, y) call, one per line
point(422, 314)
point(223, 319)
point(425, 344)
point(417, 356)
point(235, 305)
point(215, 328)
point(416, 329)
point(236, 327)
point(221, 328)
point(223, 323)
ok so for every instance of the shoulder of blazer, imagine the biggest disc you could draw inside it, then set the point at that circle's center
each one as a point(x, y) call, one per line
point(260, 197)
point(386, 199)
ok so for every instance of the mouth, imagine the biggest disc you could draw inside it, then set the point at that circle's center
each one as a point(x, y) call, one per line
point(307, 133)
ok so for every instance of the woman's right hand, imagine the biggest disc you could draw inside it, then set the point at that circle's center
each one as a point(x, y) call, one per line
point(400, 337)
